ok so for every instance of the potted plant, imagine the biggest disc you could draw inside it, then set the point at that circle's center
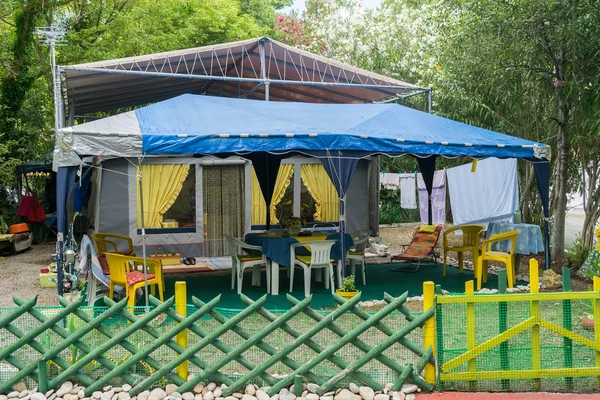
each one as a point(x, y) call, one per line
point(348, 290)
point(293, 225)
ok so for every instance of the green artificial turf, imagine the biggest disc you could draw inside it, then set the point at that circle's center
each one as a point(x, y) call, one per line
point(380, 280)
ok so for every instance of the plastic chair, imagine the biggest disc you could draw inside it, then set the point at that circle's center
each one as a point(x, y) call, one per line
point(124, 272)
point(487, 254)
point(422, 248)
point(102, 242)
point(361, 238)
point(470, 242)
point(239, 262)
point(320, 257)
point(325, 227)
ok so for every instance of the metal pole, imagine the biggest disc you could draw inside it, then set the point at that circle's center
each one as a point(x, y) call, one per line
point(267, 83)
point(429, 100)
point(141, 194)
point(263, 69)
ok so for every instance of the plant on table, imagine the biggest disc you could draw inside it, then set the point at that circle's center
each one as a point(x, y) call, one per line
point(293, 223)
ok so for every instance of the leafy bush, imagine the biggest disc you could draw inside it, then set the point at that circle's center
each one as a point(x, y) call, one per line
point(576, 254)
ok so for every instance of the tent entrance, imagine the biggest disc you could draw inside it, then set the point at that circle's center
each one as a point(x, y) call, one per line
point(224, 203)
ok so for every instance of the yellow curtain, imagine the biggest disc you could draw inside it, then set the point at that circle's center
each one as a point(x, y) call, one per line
point(161, 184)
point(322, 190)
point(259, 215)
point(259, 207)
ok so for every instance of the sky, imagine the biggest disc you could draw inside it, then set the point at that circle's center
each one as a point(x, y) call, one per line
point(299, 5)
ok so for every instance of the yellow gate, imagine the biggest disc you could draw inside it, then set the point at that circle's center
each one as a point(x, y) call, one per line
point(519, 341)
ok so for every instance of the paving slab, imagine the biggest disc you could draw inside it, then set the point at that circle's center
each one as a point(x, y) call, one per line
point(507, 396)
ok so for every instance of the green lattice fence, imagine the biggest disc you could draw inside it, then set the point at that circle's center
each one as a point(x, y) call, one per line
point(97, 346)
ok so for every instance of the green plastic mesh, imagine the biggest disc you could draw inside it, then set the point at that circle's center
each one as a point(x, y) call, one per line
point(515, 354)
point(252, 325)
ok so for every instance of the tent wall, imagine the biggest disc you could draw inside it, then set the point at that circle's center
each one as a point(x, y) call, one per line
point(114, 198)
point(373, 206)
point(357, 199)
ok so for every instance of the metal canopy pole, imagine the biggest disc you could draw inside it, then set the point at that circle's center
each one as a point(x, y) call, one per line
point(142, 222)
point(263, 68)
point(429, 100)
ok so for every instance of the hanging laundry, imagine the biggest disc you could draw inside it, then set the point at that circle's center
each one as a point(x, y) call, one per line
point(408, 191)
point(390, 181)
point(438, 198)
point(490, 194)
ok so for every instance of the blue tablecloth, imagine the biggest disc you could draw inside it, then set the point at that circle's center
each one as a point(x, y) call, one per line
point(529, 241)
point(277, 248)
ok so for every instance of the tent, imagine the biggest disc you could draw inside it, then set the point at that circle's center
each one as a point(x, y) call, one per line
point(339, 135)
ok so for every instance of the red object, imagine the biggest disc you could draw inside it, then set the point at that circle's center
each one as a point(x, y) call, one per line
point(507, 396)
point(44, 270)
point(137, 277)
point(18, 228)
point(104, 264)
point(36, 213)
point(588, 323)
point(30, 206)
point(25, 205)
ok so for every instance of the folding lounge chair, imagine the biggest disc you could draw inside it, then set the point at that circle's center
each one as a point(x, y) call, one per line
point(421, 249)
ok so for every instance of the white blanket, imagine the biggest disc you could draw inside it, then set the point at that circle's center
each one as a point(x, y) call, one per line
point(490, 194)
point(408, 191)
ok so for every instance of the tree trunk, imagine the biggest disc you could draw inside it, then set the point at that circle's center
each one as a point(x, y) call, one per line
point(526, 192)
point(592, 211)
point(560, 184)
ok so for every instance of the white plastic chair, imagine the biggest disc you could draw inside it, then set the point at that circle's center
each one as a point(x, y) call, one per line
point(320, 257)
point(239, 262)
point(357, 254)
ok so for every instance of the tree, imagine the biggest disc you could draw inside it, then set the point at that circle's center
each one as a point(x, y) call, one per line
point(97, 30)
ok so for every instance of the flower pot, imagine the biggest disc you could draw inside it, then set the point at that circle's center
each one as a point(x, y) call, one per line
point(588, 323)
point(294, 230)
point(346, 295)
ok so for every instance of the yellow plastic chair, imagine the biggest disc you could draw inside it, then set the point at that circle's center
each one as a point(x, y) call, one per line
point(127, 272)
point(487, 254)
point(470, 242)
point(104, 244)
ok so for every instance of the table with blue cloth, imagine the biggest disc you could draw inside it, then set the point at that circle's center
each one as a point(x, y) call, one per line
point(529, 240)
point(276, 247)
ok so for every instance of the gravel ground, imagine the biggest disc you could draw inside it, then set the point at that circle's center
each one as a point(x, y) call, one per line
point(19, 275)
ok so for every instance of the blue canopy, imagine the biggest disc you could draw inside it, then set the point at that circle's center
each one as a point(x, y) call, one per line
point(195, 124)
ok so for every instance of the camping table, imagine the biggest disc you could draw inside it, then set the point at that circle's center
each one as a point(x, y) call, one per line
point(529, 240)
point(277, 249)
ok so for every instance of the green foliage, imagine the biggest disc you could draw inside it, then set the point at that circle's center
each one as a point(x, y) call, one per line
point(577, 254)
point(390, 211)
point(98, 30)
point(348, 284)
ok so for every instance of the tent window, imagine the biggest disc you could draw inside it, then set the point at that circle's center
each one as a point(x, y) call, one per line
point(318, 199)
point(169, 192)
point(282, 185)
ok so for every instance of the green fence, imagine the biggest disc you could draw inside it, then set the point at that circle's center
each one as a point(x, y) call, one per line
point(97, 346)
point(519, 342)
